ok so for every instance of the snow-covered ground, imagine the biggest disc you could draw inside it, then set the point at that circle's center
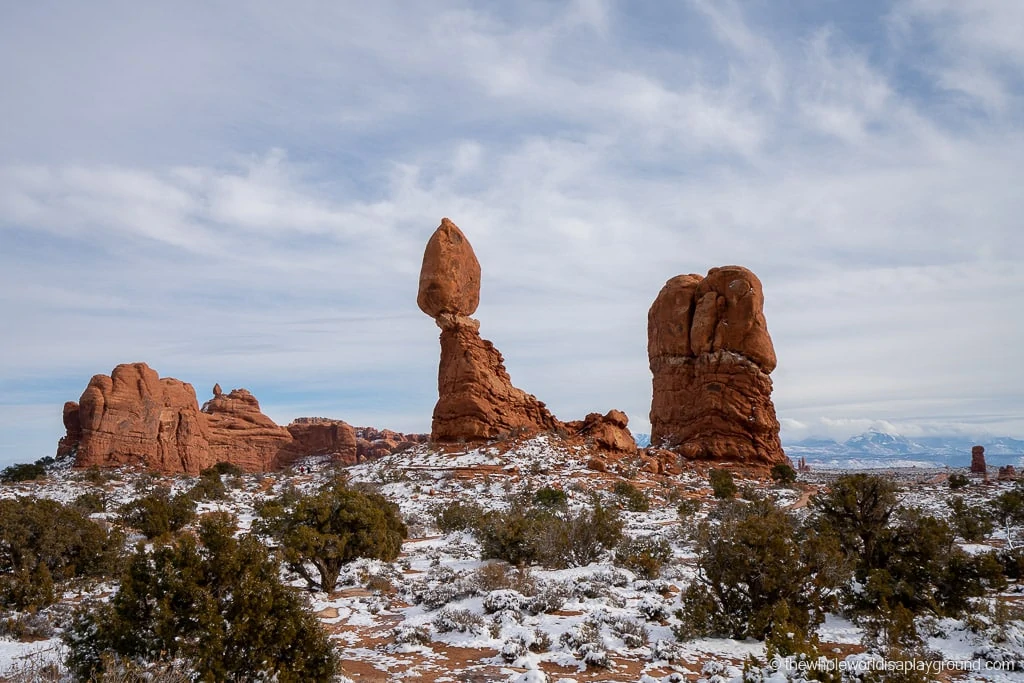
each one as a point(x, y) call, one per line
point(435, 615)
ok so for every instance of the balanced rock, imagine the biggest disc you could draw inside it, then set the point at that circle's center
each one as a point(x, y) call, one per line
point(450, 275)
point(711, 355)
point(476, 398)
point(978, 460)
point(134, 417)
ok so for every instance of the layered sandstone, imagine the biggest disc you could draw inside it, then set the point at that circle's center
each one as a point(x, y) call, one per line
point(711, 356)
point(134, 417)
point(609, 432)
point(241, 434)
point(322, 436)
point(476, 397)
point(978, 460)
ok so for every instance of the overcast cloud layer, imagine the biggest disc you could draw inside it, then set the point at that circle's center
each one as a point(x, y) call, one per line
point(241, 192)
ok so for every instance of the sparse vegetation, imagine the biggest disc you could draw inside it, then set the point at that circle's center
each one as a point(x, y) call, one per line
point(25, 471)
point(631, 498)
point(783, 474)
point(215, 602)
point(158, 513)
point(330, 528)
point(722, 484)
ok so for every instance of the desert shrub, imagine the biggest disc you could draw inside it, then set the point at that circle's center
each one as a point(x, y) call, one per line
point(643, 556)
point(722, 484)
point(208, 487)
point(222, 468)
point(498, 575)
point(958, 480)
point(1008, 510)
point(585, 641)
point(631, 498)
point(548, 497)
point(441, 586)
point(461, 620)
point(970, 522)
point(22, 472)
point(331, 527)
point(215, 602)
point(25, 626)
point(549, 596)
point(44, 543)
point(756, 558)
point(857, 508)
point(632, 632)
point(458, 516)
point(158, 513)
point(553, 538)
point(918, 566)
point(688, 508)
point(505, 600)
point(91, 502)
point(783, 474)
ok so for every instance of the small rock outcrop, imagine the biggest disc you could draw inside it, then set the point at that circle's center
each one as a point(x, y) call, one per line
point(68, 445)
point(711, 357)
point(1007, 473)
point(322, 436)
point(978, 460)
point(609, 432)
point(135, 417)
point(476, 398)
point(241, 434)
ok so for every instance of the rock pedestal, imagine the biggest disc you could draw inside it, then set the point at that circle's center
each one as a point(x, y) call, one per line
point(711, 356)
point(978, 460)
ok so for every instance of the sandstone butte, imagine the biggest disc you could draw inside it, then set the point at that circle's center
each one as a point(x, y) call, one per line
point(476, 398)
point(134, 417)
point(711, 356)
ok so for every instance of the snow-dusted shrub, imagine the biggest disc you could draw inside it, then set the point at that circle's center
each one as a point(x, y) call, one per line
point(653, 608)
point(499, 575)
point(594, 655)
point(643, 556)
point(586, 642)
point(613, 577)
point(541, 641)
point(441, 586)
point(25, 626)
point(631, 631)
point(405, 634)
point(666, 651)
point(505, 600)
point(717, 672)
point(461, 620)
point(550, 596)
point(514, 648)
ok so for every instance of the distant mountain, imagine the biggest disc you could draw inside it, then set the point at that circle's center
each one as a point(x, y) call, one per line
point(642, 440)
point(880, 449)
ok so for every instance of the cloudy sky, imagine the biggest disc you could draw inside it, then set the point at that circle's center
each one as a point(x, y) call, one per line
point(240, 192)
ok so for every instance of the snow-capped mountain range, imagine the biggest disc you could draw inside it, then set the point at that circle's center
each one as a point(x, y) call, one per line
point(880, 449)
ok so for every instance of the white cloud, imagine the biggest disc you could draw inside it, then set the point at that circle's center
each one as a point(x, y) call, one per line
point(274, 240)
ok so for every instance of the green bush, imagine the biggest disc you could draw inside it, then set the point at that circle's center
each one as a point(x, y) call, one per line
point(631, 498)
point(722, 484)
point(158, 513)
point(91, 502)
point(458, 516)
point(332, 527)
point(551, 498)
point(217, 604)
point(209, 487)
point(783, 474)
point(754, 560)
point(857, 508)
point(22, 472)
point(525, 535)
point(972, 523)
point(44, 543)
point(958, 480)
point(643, 556)
point(687, 508)
point(222, 468)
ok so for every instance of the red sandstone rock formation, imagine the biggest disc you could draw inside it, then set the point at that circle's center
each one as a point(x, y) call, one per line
point(134, 417)
point(978, 460)
point(1007, 473)
point(476, 397)
point(68, 445)
point(711, 355)
point(241, 434)
point(321, 436)
point(609, 431)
